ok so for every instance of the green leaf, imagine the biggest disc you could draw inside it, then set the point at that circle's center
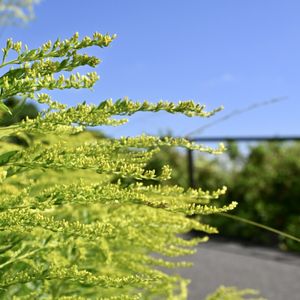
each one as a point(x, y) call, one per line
point(5, 157)
point(102, 104)
point(63, 63)
point(18, 73)
point(4, 108)
point(29, 54)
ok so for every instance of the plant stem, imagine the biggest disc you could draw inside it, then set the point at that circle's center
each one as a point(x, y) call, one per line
point(281, 233)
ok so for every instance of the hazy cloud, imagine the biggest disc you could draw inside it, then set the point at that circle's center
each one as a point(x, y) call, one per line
point(218, 80)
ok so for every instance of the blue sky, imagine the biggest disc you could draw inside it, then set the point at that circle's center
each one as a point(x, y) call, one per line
point(218, 52)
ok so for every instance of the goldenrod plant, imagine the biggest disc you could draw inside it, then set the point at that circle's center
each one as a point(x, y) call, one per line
point(67, 230)
point(232, 293)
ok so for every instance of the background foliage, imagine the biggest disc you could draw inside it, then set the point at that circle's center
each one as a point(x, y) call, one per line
point(265, 182)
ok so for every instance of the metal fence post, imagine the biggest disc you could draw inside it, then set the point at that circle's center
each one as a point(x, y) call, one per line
point(190, 165)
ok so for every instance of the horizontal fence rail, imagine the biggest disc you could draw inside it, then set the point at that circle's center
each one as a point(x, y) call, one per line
point(245, 138)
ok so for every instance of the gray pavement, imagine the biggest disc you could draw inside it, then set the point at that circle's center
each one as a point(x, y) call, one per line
point(274, 273)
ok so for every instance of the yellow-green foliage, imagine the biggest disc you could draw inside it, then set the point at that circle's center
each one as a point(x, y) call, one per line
point(231, 293)
point(66, 230)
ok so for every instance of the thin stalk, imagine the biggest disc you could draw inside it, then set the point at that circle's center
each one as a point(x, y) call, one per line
point(281, 233)
point(11, 62)
point(14, 259)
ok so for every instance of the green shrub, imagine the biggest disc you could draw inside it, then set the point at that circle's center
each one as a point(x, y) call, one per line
point(268, 189)
point(265, 182)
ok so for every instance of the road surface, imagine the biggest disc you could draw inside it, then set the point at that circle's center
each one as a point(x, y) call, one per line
point(276, 274)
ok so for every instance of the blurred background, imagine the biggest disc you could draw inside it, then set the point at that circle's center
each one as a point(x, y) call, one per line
point(243, 55)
